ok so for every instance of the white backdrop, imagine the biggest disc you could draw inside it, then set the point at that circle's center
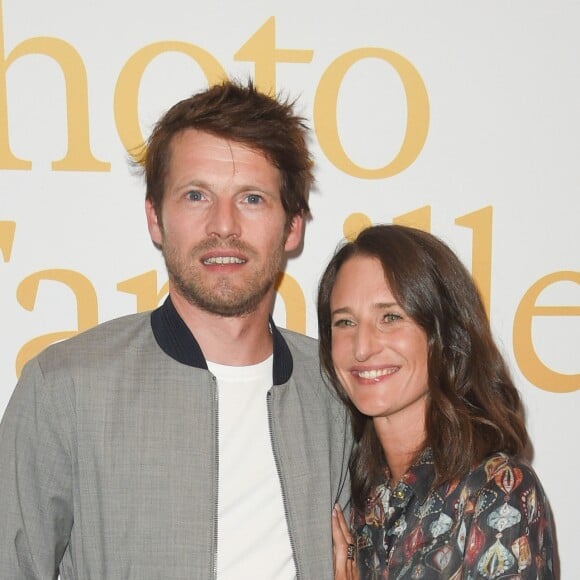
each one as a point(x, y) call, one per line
point(460, 117)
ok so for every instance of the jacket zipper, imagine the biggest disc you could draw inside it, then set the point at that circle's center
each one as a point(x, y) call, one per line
point(279, 471)
point(216, 476)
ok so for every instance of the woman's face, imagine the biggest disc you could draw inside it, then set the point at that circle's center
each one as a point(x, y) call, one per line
point(379, 353)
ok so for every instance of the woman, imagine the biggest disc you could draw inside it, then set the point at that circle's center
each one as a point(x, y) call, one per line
point(440, 486)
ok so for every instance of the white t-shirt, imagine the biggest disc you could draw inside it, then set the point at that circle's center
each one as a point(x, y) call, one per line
point(253, 538)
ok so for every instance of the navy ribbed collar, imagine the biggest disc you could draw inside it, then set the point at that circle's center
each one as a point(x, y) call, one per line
point(175, 338)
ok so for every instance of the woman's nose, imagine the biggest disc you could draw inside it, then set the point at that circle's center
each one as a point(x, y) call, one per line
point(367, 342)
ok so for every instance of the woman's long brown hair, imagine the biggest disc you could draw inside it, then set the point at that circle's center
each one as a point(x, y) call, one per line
point(473, 409)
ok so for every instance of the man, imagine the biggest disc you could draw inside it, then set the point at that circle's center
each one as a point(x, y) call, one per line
point(196, 441)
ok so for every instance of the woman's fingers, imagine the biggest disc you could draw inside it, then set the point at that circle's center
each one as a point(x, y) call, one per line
point(343, 525)
point(343, 547)
point(339, 547)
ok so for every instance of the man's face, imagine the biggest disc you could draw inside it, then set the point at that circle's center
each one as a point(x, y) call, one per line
point(222, 228)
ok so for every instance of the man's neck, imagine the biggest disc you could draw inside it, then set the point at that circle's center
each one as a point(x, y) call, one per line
point(233, 341)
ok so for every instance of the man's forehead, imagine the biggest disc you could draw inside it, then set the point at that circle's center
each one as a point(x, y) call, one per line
point(207, 144)
point(198, 155)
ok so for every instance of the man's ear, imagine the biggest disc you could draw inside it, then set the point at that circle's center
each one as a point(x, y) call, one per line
point(154, 224)
point(295, 231)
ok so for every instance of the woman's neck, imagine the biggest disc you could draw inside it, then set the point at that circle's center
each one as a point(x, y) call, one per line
point(402, 439)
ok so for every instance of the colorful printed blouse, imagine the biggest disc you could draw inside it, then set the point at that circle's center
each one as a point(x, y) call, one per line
point(494, 523)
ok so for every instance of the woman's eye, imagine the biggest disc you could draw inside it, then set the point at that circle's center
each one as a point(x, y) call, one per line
point(391, 317)
point(343, 322)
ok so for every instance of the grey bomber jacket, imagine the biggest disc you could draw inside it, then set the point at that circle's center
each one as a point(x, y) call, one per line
point(109, 462)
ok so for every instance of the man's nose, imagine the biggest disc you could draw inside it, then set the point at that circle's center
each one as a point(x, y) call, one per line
point(223, 220)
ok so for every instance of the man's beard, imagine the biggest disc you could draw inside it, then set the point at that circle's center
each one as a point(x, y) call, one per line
point(230, 295)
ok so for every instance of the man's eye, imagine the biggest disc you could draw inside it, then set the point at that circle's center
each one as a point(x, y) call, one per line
point(194, 195)
point(254, 198)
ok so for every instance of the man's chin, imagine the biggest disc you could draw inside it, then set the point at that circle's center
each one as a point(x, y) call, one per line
point(223, 299)
point(230, 306)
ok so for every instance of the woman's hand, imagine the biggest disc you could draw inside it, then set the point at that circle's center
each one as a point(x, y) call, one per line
point(344, 550)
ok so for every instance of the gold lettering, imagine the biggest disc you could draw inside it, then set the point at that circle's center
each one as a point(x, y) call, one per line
point(325, 113)
point(78, 156)
point(291, 293)
point(127, 90)
point(354, 224)
point(530, 364)
point(481, 222)
point(86, 303)
point(419, 219)
point(261, 50)
point(144, 287)
point(7, 231)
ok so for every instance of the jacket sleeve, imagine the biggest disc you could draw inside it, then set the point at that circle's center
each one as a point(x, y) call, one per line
point(36, 512)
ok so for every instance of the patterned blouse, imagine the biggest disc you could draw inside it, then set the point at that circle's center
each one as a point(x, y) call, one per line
point(494, 523)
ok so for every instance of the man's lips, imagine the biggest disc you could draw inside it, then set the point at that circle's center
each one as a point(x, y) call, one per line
point(213, 253)
point(222, 260)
